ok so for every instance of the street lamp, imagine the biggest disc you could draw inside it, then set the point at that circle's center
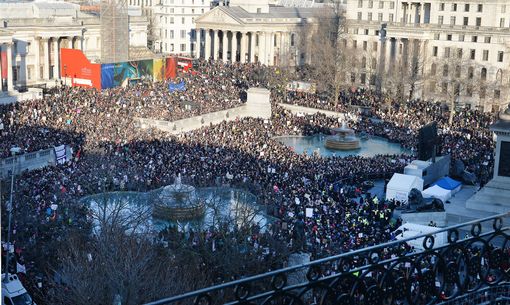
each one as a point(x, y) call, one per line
point(14, 151)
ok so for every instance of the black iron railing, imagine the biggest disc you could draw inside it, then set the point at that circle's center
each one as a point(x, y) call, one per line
point(477, 264)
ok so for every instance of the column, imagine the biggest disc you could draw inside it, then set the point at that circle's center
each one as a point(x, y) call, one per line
point(37, 53)
point(225, 46)
point(198, 42)
point(262, 48)
point(252, 47)
point(270, 49)
point(234, 46)
point(216, 48)
point(10, 85)
point(244, 44)
point(207, 42)
point(46, 58)
point(55, 58)
point(389, 53)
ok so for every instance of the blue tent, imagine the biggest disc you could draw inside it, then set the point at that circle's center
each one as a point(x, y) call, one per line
point(177, 87)
point(448, 184)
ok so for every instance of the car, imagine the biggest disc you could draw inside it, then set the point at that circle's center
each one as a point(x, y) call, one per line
point(13, 292)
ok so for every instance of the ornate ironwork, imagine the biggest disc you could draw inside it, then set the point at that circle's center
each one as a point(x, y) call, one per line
point(477, 264)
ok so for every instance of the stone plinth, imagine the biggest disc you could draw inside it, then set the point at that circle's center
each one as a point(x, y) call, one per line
point(424, 218)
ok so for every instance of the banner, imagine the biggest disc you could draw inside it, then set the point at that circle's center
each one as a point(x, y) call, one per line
point(159, 69)
point(122, 73)
point(3, 59)
point(74, 65)
point(177, 87)
point(171, 68)
point(107, 76)
point(60, 154)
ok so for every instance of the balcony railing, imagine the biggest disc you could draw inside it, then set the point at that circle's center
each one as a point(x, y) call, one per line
point(460, 268)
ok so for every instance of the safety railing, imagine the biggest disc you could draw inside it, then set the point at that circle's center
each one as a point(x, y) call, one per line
point(387, 273)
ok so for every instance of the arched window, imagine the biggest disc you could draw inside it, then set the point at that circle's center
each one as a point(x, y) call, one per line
point(483, 74)
point(457, 71)
point(364, 62)
point(433, 69)
point(499, 76)
point(471, 72)
point(445, 70)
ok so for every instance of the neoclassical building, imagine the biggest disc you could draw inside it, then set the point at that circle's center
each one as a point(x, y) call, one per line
point(33, 32)
point(460, 49)
point(254, 31)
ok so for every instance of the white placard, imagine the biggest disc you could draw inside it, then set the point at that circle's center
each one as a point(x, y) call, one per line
point(309, 212)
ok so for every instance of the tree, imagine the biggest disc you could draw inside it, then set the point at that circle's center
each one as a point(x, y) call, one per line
point(333, 56)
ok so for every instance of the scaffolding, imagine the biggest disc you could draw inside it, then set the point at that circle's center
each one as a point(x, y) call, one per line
point(114, 31)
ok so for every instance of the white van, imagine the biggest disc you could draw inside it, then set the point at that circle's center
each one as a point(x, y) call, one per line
point(13, 292)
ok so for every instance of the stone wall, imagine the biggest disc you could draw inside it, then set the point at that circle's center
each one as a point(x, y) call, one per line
point(29, 161)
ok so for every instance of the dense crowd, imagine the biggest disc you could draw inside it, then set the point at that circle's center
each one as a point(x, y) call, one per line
point(110, 152)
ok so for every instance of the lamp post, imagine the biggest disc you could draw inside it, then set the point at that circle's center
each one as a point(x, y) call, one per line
point(14, 151)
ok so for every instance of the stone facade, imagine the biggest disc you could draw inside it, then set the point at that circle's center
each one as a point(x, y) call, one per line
point(34, 32)
point(471, 37)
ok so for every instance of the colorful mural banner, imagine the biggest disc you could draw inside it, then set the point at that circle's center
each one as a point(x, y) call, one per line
point(122, 73)
point(75, 65)
point(159, 69)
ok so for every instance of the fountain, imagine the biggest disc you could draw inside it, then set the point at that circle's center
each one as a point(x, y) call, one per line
point(178, 202)
point(343, 138)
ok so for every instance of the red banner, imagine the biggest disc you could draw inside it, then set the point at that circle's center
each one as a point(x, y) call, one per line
point(171, 68)
point(3, 59)
point(76, 67)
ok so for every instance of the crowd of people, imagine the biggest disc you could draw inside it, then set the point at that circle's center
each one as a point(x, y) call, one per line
point(109, 150)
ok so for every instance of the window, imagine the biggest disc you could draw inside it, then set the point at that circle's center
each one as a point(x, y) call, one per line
point(369, 17)
point(474, 38)
point(497, 93)
point(274, 41)
point(469, 91)
point(500, 56)
point(452, 20)
point(171, 20)
point(454, 7)
point(440, 20)
point(461, 37)
point(183, 33)
point(364, 62)
point(437, 36)
point(171, 34)
point(503, 8)
point(360, 3)
point(353, 77)
point(445, 70)
point(466, 20)
point(374, 63)
point(459, 53)
point(183, 47)
point(359, 15)
point(392, 5)
point(471, 72)
point(381, 4)
point(447, 52)
point(257, 40)
point(434, 51)
point(485, 56)
point(379, 16)
point(374, 46)
point(483, 74)
point(441, 6)
point(292, 39)
point(390, 18)
point(354, 44)
point(183, 20)
point(370, 4)
point(478, 21)
point(366, 31)
point(480, 8)
point(365, 44)
point(466, 7)
point(445, 88)
point(433, 69)
point(502, 22)
point(171, 47)
point(482, 92)
point(457, 71)
point(487, 39)
point(363, 78)
point(449, 37)
point(472, 54)
point(29, 72)
point(259, 11)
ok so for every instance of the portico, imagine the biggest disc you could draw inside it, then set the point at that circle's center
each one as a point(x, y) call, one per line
point(234, 34)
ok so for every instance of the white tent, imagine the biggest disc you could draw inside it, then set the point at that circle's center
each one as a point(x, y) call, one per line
point(437, 192)
point(400, 185)
point(411, 229)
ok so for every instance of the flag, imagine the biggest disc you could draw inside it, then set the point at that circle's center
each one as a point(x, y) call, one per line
point(60, 154)
point(177, 87)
